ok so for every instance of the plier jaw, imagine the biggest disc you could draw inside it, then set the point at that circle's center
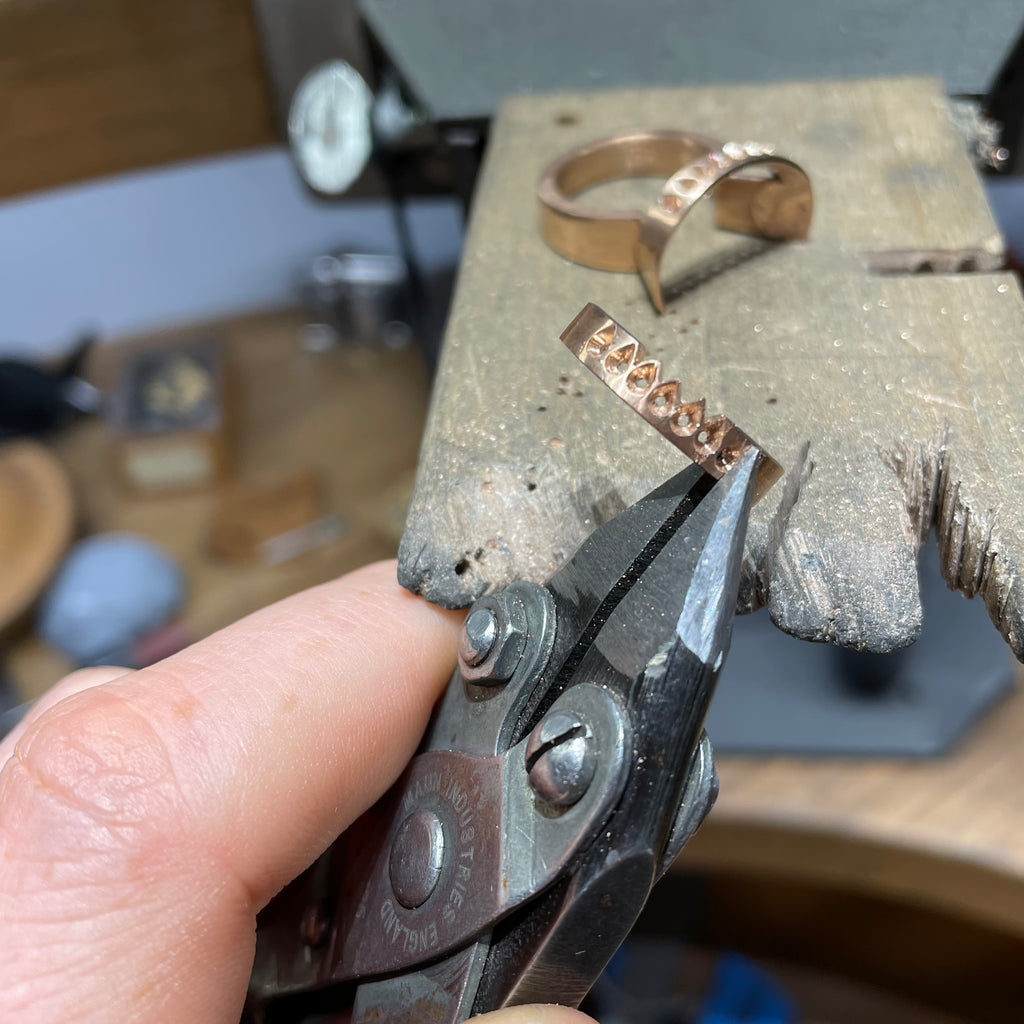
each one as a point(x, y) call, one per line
point(657, 640)
point(563, 771)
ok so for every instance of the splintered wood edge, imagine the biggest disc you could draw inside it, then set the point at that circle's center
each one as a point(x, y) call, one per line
point(622, 363)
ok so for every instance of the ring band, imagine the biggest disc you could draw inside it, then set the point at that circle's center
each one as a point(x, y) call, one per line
point(607, 239)
point(778, 206)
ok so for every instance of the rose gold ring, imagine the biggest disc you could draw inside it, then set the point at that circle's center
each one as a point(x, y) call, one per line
point(765, 195)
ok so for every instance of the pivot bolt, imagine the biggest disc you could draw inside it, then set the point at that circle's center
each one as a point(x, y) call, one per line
point(561, 759)
point(493, 640)
point(417, 856)
point(478, 636)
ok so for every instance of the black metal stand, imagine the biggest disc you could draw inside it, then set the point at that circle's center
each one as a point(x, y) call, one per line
point(778, 695)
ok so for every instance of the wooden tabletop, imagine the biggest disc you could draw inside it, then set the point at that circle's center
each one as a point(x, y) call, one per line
point(948, 833)
point(353, 416)
point(945, 832)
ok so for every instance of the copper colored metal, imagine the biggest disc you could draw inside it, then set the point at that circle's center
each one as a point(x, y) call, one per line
point(775, 201)
point(607, 239)
point(611, 353)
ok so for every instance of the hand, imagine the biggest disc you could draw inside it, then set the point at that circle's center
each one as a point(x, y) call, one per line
point(145, 817)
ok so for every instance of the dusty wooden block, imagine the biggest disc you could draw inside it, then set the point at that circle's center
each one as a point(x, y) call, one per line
point(907, 386)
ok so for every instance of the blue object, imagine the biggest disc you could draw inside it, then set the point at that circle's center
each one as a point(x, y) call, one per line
point(111, 590)
point(742, 993)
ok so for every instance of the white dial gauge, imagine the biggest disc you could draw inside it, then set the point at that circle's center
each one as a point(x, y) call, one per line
point(329, 127)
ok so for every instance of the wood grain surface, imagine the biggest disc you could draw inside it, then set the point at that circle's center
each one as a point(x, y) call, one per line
point(97, 87)
point(905, 385)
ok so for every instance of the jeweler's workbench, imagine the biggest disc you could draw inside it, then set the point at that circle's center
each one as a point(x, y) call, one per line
point(888, 341)
point(947, 833)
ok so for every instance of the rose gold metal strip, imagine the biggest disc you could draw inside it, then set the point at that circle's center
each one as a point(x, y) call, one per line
point(618, 359)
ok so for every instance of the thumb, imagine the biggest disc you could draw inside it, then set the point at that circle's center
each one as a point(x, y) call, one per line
point(147, 817)
point(548, 1013)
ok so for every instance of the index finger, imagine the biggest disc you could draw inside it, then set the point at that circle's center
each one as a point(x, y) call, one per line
point(149, 817)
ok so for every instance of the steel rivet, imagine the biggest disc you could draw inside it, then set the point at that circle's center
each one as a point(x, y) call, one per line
point(417, 856)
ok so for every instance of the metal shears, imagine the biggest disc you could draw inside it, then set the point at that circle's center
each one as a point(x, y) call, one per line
point(563, 771)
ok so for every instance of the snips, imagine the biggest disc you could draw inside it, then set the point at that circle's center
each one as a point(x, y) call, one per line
point(563, 771)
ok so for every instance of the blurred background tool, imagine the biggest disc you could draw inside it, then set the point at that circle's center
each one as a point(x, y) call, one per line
point(273, 523)
point(35, 399)
point(359, 299)
point(171, 415)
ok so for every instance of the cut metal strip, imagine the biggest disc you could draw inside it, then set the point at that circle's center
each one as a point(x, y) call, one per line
point(618, 359)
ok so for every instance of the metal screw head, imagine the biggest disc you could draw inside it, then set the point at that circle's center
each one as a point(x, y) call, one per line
point(561, 759)
point(417, 856)
point(478, 636)
point(497, 626)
